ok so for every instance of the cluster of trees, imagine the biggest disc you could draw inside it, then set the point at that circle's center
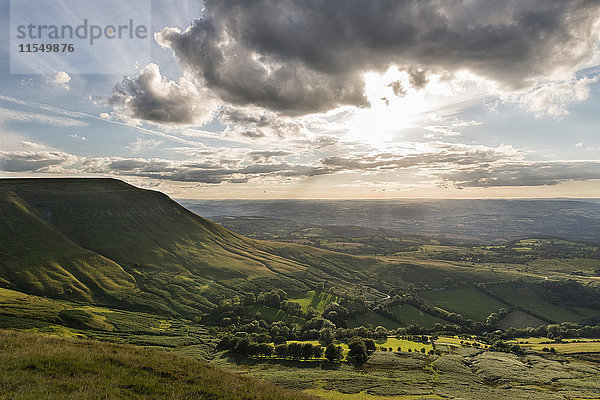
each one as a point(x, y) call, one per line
point(571, 292)
point(360, 349)
point(499, 345)
point(242, 343)
point(499, 256)
point(565, 330)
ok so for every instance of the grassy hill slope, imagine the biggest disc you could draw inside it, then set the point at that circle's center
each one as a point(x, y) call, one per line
point(37, 366)
point(103, 239)
point(36, 257)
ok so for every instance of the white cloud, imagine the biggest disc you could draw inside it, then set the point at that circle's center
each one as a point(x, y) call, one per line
point(10, 115)
point(144, 144)
point(29, 156)
point(62, 79)
point(553, 98)
point(77, 137)
point(152, 97)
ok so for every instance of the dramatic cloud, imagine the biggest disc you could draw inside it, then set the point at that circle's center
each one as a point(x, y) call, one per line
point(267, 155)
point(151, 97)
point(303, 56)
point(441, 164)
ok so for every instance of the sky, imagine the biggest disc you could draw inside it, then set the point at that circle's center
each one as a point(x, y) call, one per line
point(316, 99)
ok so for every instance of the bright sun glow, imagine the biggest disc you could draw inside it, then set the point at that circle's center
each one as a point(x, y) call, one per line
point(397, 104)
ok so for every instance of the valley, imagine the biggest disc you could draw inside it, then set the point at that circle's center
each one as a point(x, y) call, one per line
point(323, 303)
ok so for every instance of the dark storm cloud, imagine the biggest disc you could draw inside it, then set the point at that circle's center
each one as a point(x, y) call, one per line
point(301, 56)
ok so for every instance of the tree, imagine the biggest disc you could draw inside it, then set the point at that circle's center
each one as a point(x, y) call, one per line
point(249, 299)
point(326, 336)
point(311, 313)
point(264, 350)
point(279, 340)
point(281, 350)
point(333, 352)
point(335, 313)
point(381, 332)
point(241, 347)
point(307, 351)
point(291, 307)
point(294, 350)
point(370, 345)
point(358, 351)
point(492, 319)
point(317, 351)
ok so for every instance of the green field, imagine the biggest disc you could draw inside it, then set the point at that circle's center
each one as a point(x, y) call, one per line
point(272, 314)
point(456, 342)
point(567, 346)
point(372, 320)
point(390, 342)
point(469, 302)
point(518, 319)
point(403, 344)
point(526, 298)
point(314, 299)
point(408, 315)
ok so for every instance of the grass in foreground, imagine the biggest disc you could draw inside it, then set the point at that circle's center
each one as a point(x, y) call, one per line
point(34, 366)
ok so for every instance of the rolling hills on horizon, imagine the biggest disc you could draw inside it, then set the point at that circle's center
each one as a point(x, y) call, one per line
point(472, 220)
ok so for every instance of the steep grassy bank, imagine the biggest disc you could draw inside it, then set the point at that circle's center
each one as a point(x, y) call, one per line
point(105, 241)
point(34, 366)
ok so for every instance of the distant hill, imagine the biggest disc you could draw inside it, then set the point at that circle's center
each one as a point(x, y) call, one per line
point(105, 241)
point(476, 220)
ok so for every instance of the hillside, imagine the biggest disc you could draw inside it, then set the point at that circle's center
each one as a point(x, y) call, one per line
point(107, 241)
point(38, 366)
